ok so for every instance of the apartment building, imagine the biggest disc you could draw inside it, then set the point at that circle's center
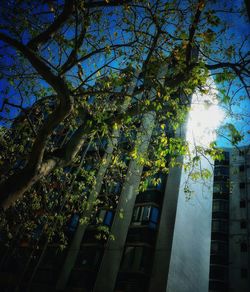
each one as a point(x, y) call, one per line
point(230, 257)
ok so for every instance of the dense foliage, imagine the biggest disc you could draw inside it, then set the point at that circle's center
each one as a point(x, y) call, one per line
point(77, 78)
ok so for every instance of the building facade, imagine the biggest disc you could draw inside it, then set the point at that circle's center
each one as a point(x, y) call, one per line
point(160, 238)
point(230, 256)
point(153, 247)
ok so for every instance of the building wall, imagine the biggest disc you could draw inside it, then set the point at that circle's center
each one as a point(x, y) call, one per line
point(239, 256)
point(230, 257)
point(189, 264)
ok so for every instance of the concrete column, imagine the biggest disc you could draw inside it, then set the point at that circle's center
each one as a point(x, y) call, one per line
point(158, 281)
point(182, 251)
point(110, 264)
point(163, 246)
point(78, 236)
point(77, 239)
point(190, 255)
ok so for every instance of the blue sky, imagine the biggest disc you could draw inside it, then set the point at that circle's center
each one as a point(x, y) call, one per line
point(240, 27)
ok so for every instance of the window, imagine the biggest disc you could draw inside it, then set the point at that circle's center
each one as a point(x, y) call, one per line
point(88, 167)
point(141, 213)
point(131, 258)
point(216, 188)
point(91, 99)
point(220, 206)
point(155, 182)
point(73, 222)
point(241, 168)
point(221, 170)
point(116, 188)
point(139, 82)
point(215, 286)
point(221, 187)
point(37, 232)
point(136, 258)
point(243, 247)
point(226, 155)
point(104, 217)
point(154, 215)
point(51, 256)
point(145, 215)
point(243, 224)
point(219, 248)
point(242, 185)
point(243, 273)
point(220, 226)
point(89, 257)
point(218, 273)
point(242, 203)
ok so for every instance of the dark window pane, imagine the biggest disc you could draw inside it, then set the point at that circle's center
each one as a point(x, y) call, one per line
point(242, 204)
point(153, 218)
point(152, 225)
point(132, 258)
point(128, 257)
point(116, 188)
point(134, 215)
point(221, 170)
point(221, 187)
point(220, 205)
point(243, 273)
point(137, 258)
point(219, 248)
point(241, 168)
point(89, 257)
point(242, 185)
point(216, 286)
point(243, 247)
point(226, 155)
point(108, 218)
point(243, 224)
point(146, 213)
point(73, 222)
point(154, 215)
point(103, 217)
point(220, 226)
point(218, 272)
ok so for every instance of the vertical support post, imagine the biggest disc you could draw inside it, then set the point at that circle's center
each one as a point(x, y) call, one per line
point(78, 236)
point(110, 264)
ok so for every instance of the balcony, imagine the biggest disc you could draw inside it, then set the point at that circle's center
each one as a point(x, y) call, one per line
point(149, 196)
point(141, 234)
point(137, 259)
point(82, 279)
point(131, 282)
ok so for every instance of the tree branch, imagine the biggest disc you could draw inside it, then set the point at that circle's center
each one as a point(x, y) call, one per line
point(33, 170)
point(192, 30)
point(100, 3)
point(55, 25)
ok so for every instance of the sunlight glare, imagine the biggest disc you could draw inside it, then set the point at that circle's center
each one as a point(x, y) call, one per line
point(205, 117)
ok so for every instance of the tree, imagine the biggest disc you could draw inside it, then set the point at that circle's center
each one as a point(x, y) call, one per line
point(85, 69)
